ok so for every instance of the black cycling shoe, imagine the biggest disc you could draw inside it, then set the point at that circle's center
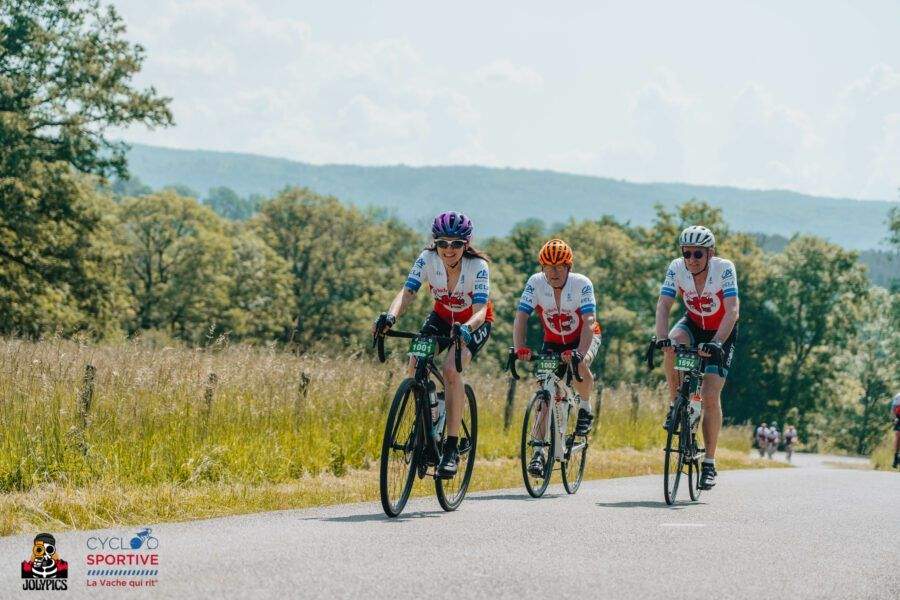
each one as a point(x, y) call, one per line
point(537, 464)
point(446, 469)
point(707, 476)
point(583, 427)
point(667, 425)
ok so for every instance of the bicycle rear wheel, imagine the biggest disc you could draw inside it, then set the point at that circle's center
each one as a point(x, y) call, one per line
point(674, 461)
point(399, 451)
point(575, 458)
point(450, 492)
point(537, 412)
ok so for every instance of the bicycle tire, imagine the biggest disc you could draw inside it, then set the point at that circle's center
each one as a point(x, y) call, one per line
point(572, 469)
point(693, 472)
point(536, 489)
point(403, 405)
point(668, 474)
point(451, 492)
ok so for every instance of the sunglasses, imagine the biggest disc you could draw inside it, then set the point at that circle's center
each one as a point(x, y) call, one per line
point(455, 244)
point(697, 254)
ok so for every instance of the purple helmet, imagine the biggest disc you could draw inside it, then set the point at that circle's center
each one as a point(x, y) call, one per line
point(453, 225)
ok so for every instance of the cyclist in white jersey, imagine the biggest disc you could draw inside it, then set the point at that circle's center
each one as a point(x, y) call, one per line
point(708, 286)
point(895, 412)
point(458, 278)
point(762, 435)
point(565, 304)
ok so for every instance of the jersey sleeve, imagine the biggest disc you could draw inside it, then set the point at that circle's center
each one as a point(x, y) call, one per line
point(587, 303)
point(729, 280)
point(481, 290)
point(668, 285)
point(414, 279)
point(527, 302)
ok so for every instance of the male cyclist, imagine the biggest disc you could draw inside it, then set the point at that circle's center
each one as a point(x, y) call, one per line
point(457, 275)
point(708, 286)
point(565, 304)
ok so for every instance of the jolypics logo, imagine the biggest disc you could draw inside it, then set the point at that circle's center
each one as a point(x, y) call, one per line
point(45, 569)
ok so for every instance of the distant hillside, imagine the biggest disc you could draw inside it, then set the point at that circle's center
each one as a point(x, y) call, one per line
point(498, 198)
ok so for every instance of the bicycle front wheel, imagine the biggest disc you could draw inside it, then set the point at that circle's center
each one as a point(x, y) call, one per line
point(537, 434)
point(575, 457)
point(450, 492)
point(674, 461)
point(399, 451)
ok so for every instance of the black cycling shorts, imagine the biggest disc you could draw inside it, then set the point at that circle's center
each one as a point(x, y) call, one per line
point(435, 325)
point(702, 336)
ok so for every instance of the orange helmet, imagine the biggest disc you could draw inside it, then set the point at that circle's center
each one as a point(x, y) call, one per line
point(556, 252)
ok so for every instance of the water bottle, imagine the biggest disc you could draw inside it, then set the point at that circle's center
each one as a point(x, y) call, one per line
point(439, 414)
point(433, 402)
point(696, 405)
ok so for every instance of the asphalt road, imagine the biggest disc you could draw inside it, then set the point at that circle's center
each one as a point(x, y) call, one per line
point(813, 532)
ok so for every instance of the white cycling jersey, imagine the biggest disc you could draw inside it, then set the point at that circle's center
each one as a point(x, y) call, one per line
point(707, 308)
point(562, 323)
point(895, 405)
point(472, 287)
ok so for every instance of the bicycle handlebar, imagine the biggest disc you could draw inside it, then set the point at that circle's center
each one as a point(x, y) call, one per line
point(572, 366)
point(378, 342)
point(679, 349)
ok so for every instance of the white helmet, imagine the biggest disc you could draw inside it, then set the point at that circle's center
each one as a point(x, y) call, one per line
point(697, 235)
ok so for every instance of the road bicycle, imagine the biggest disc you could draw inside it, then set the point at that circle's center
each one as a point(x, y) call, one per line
point(414, 434)
point(682, 454)
point(550, 421)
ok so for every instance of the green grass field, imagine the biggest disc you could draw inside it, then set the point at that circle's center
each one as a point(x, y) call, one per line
point(163, 440)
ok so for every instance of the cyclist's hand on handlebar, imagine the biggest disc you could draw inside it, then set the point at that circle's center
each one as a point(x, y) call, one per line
point(465, 334)
point(711, 350)
point(568, 355)
point(384, 322)
point(523, 353)
point(664, 344)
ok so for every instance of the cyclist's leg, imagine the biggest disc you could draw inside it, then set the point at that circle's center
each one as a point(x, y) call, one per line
point(453, 381)
point(711, 393)
point(680, 334)
point(586, 384)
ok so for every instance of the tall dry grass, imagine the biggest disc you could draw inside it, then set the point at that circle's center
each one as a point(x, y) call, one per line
point(150, 426)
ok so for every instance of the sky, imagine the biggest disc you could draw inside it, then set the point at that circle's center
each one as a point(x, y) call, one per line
point(801, 95)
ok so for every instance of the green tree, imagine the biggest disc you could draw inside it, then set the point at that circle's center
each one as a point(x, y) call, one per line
point(228, 204)
point(178, 265)
point(65, 77)
point(345, 264)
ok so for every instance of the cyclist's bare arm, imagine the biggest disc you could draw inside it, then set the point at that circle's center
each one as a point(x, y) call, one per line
point(401, 302)
point(663, 310)
point(519, 326)
point(732, 312)
point(479, 313)
point(587, 333)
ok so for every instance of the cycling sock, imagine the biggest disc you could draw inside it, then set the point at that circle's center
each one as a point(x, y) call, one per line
point(709, 461)
point(451, 443)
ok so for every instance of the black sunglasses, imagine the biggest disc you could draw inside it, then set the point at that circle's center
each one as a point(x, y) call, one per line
point(698, 254)
point(455, 244)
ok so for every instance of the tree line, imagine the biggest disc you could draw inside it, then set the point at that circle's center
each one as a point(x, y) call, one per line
point(818, 344)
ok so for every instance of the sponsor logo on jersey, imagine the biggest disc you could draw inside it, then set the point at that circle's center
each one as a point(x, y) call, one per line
point(728, 273)
point(420, 262)
point(587, 289)
point(559, 322)
point(702, 305)
point(482, 274)
point(529, 289)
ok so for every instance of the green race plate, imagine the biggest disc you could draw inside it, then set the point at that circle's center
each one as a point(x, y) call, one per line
point(422, 348)
point(687, 362)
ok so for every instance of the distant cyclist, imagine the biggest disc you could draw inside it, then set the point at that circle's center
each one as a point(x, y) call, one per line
point(773, 438)
point(762, 436)
point(708, 286)
point(790, 440)
point(895, 412)
point(565, 304)
point(457, 275)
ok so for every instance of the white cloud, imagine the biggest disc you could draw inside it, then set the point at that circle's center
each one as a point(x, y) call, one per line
point(503, 72)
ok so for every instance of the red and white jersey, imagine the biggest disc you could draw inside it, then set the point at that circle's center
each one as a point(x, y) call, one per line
point(895, 406)
point(472, 287)
point(707, 308)
point(562, 322)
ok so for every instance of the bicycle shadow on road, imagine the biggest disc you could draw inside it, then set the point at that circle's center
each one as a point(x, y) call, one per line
point(647, 504)
point(380, 516)
point(522, 496)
